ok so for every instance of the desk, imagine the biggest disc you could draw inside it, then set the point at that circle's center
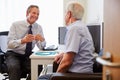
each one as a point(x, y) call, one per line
point(39, 60)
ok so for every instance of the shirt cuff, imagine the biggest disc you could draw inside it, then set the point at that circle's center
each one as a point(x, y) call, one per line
point(18, 43)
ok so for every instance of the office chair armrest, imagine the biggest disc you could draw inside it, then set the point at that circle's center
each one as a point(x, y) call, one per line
point(76, 76)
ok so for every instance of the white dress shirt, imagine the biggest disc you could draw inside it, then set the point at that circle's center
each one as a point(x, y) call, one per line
point(17, 31)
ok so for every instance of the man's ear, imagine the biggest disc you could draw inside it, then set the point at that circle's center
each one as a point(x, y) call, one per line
point(27, 13)
point(69, 14)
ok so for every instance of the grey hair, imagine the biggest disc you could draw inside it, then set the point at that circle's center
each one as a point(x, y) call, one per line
point(76, 9)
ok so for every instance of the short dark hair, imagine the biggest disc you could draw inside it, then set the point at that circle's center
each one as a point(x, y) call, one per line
point(31, 6)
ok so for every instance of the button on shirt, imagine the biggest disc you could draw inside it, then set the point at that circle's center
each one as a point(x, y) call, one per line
point(17, 31)
point(79, 40)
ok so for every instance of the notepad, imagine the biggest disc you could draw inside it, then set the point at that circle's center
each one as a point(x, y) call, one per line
point(46, 53)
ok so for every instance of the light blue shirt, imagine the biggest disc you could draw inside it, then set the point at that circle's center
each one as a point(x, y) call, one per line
point(79, 40)
point(17, 31)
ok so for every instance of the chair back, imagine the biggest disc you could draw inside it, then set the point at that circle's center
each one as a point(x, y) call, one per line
point(3, 49)
point(3, 41)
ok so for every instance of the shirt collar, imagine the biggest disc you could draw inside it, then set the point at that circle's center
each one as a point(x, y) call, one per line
point(28, 24)
point(73, 24)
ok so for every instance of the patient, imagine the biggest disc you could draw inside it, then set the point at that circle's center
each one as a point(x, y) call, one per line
point(79, 48)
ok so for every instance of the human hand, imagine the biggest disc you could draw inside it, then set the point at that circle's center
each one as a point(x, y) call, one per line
point(38, 37)
point(58, 58)
point(27, 38)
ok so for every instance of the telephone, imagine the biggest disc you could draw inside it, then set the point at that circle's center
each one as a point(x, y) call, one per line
point(50, 47)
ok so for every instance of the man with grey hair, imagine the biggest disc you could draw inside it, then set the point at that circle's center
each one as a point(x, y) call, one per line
point(79, 48)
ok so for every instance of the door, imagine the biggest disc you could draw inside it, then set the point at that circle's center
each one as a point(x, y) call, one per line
point(111, 41)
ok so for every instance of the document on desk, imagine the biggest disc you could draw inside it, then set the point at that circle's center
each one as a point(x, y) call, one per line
point(46, 53)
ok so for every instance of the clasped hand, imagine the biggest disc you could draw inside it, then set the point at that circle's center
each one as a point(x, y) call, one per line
point(30, 38)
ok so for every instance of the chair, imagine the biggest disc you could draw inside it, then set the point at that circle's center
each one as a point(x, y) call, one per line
point(3, 49)
point(76, 76)
point(96, 75)
point(95, 31)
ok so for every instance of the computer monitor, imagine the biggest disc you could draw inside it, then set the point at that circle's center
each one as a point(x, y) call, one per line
point(61, 35)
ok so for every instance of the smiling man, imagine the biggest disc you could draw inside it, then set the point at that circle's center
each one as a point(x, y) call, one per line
point(23, 36)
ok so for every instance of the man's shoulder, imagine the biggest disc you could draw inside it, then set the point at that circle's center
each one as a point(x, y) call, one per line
point(19, 22)
point(37, 25)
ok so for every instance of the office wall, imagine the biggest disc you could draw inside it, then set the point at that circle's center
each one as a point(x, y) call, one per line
point(83, 3)
point(50, 18)
point(93, 10)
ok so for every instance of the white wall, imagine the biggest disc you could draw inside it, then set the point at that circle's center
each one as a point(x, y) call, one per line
point(50, 18)
point(93, 10)
point(82, 2)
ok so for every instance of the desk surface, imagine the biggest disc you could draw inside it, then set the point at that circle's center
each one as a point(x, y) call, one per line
point(34, 55)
